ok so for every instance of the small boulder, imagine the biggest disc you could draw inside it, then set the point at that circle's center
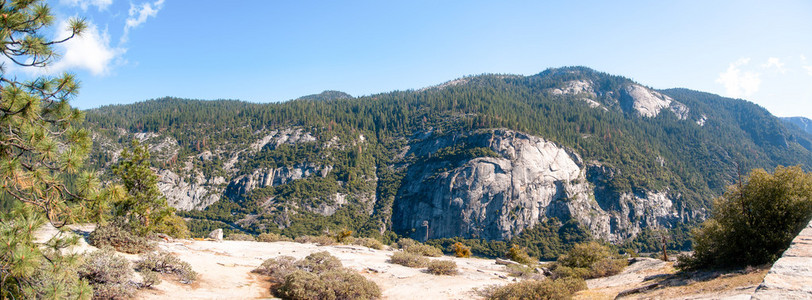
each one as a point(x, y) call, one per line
point(216, 235)
point(505, 262)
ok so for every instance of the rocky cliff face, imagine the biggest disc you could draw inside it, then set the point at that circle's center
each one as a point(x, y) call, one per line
point(188, 195)
point(498, 197)
point(264, 177)
point(524, 181)
point(648, 103)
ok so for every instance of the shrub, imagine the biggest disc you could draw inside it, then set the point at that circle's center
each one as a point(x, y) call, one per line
point(607, 267)
point(534, 289)
point(277, 268)
point(118, 237)
point(317, 276)
point(519, 255)
point(166, 263)
point(110, 275)
point(461, 250)
point(753, 223)
point(240, 237)
point(342, 235)
point(409, 259)
point(150, 278)
point(174, 226)
point(319, 262)
point(561, 271)
point(321, 240)
point(424, 250)
point(300, 285)
point(405, 243)
point(589, 260)
point(346, 284)
point(369, 243)
point(442, 267)
point(334, 284)
point(271, 237)
point(584, 255)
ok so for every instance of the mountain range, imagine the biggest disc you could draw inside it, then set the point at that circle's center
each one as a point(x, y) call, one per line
point(496, 158)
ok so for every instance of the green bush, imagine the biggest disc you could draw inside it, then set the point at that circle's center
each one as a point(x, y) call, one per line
point(110, 275)
point(409, 259)
point(317, 276)
point(405, 243)
point(561, 271)
point(333, 284)
point(119, 238)
point(562, 288)
point(273, 237)
point(166, 263)
point(277, 268)
point(240, 237)
point(424, 250)
point(369, 243)
point(442, 267)
point(588, 260)
point(319, 262)
point(607, 267)
point(753, 223)
point(150, 278)
point(321, 240)
point(174, 226)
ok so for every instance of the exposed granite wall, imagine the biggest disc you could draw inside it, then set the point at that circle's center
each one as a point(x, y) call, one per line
point(791, 276)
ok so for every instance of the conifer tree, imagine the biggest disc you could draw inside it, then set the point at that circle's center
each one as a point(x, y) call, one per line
point(41, 148)
point(144, 209)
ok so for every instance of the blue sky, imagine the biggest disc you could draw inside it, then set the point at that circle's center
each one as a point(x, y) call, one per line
point(266, 51)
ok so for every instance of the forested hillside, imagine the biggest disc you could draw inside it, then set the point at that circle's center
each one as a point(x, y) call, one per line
point(801, 122)
point(568, 149)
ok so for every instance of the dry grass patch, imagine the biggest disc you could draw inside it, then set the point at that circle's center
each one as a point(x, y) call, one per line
point(681, 286)
point(409, 259)
point(442, 267)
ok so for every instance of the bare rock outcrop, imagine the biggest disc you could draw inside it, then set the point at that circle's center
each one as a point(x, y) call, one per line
point(648, 103)
point(187, 195)
point(264, 177)
point(532, 179)
point(282, 136)
point(791, 275)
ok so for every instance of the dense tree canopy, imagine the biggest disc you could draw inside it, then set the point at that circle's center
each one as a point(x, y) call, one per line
point(754, 222)
point(40, 149)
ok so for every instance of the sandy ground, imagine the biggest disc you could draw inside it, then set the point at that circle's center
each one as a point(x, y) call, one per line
point(224, 270)
point(665, 283)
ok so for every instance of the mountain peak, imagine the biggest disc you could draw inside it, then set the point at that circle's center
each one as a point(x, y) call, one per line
point(327, 95)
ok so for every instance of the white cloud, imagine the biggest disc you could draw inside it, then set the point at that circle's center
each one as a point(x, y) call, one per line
point(774, 62)
point(90, 51)
point(739, 83)
point(139, 14)
point(805, 66)
point(84, 4)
